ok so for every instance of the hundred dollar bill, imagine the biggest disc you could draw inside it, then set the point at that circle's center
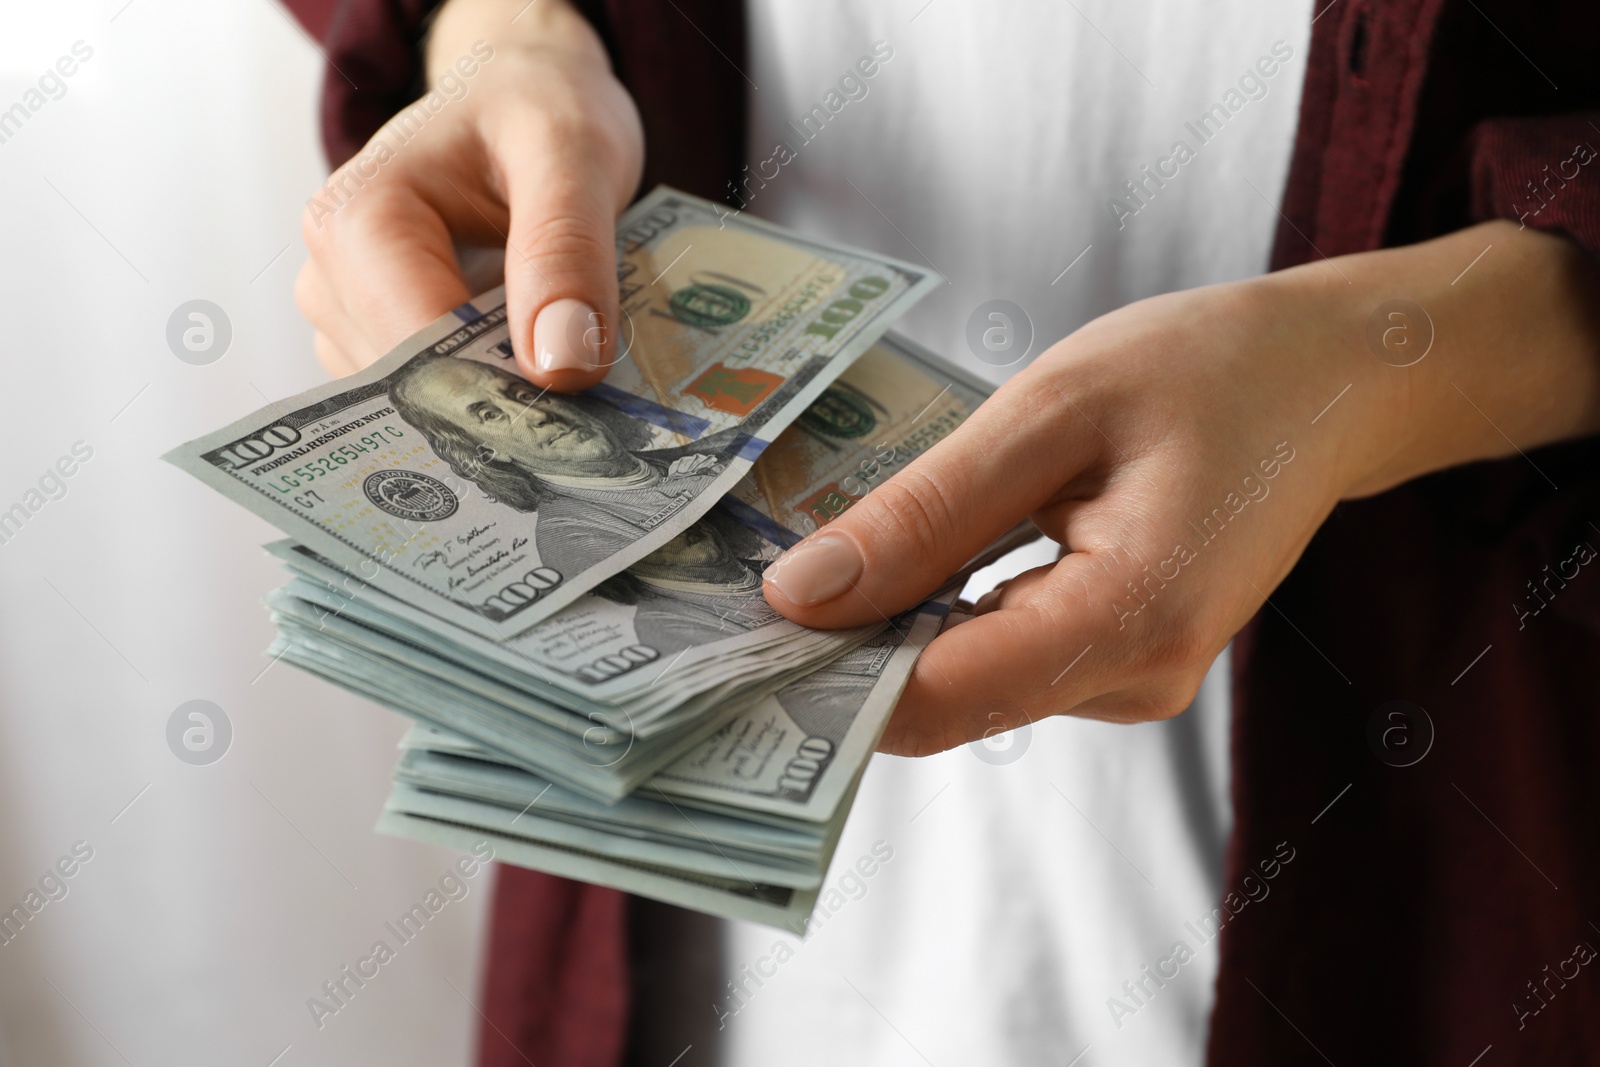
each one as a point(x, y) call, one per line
point(454, 823)
point(894, 403)
point(594, 760)
point(792, 754)
point(697, 600)
point(627, 651)
point(450, 482)
point(796, 752)
point(578, 696)
point(597, 697)
point(735, 829)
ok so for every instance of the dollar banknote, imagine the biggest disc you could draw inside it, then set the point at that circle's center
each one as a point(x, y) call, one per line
point(893, 404)
point(566, 745)
point(453, 822)
point(448, 481)
point(752, 834)
point(792, 753)
point(733, 795)
point(619, 684)
point(697, 600)
point(627, 653)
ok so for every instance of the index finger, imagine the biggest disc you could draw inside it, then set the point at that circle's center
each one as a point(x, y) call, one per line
point(391, 261)
point(1056, 648)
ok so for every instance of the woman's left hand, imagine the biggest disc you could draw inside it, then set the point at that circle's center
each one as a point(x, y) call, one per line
point(1184, 449)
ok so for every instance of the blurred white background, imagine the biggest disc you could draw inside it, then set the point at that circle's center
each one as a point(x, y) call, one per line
point(173, 168)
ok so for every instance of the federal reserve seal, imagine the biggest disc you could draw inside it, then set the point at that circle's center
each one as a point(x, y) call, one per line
point(409, 495)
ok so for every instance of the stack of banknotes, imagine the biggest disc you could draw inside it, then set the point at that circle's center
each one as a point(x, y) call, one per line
point(564, 592)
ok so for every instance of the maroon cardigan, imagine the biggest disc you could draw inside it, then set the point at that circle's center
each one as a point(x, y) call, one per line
point(1431, 911)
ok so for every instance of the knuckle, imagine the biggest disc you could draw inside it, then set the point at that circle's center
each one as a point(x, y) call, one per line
point(1179, 645)
point(307, 292)
point(1065, 405)
point(558, 124)
point(565, 244)
point(1163, 703)
point(313, 226)
point(915, 739)
point(328, 355)
point(912, 509)
point(363, 211)
point(1034, 397)
point(321, 220)
point(574, 128)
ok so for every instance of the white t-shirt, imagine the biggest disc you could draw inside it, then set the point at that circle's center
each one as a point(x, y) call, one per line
point(1025, 884)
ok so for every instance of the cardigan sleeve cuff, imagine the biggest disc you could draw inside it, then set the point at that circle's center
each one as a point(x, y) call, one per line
point(1543, 172)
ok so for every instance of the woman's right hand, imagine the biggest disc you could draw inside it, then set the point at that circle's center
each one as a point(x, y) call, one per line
point(535, 149)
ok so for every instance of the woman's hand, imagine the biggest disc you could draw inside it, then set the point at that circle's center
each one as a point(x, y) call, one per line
point(535, 152)
point(1184, 449)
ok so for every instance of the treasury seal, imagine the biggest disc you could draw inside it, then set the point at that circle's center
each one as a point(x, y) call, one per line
point(409, 495)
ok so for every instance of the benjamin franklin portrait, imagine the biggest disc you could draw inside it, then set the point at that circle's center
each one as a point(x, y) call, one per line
point(703, 585)
point(584, 466)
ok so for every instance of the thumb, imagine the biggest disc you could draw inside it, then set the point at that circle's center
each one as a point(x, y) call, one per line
point(561, 268)
point(903, 540)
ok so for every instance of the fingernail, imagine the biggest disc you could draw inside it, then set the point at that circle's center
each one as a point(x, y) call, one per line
point(566, 336)
point(816, 571)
